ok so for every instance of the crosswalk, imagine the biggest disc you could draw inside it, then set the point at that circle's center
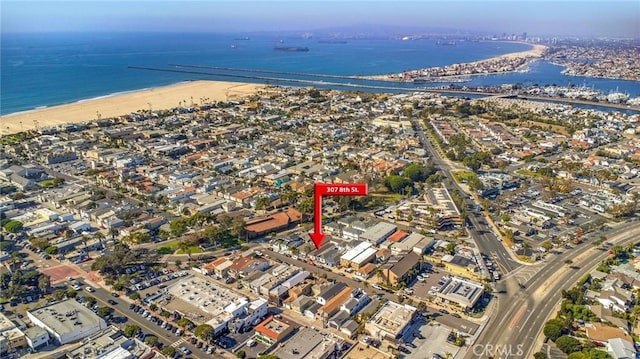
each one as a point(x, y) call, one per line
point(178, 342)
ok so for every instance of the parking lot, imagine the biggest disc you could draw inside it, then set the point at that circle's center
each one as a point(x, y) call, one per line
point(428, 340)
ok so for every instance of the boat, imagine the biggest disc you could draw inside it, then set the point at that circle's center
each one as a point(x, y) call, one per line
point(332, 41)
point(446, 43)
point(246, 38)
point(291, 49)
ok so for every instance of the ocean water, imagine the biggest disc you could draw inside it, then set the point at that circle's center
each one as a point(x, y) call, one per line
point(56, 68)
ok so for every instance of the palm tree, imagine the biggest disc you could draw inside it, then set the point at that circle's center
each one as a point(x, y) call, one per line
point(381, 276)
point(99, 236)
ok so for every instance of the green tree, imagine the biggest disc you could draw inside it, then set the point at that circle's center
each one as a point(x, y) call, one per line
point(238, 227)
point(451, 248)
point(134, 295)
point(540, 355)
point(131, 330)
point(184, 322)
point(579, 355)
point(397, 184)
point(553, 329)
point(241, 354)
point(44, 283)
point(58, 294)
point(151, 340)
point(71, 293)
point(268, 356)
point(103, 311)
point(178, 227)
point(13, 226)
point(169, 351)
point(262, 202)
point(568, 344)
point(51, 250)
point(204, 331)
point(91, 301)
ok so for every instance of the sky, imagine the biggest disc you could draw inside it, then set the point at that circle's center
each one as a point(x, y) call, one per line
point(615, 18)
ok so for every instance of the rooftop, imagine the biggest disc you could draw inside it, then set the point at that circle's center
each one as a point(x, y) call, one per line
point(273, 327)
point(392, 317)
point(207, 297)
point(462, 291)
point(66, 316)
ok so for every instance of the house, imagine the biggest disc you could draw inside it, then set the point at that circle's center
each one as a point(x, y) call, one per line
point(602, 333)
point(332, 305)
point(219, 267)
point(245, 265)
point(330, 292)
point(617, 299)
point(619, 348)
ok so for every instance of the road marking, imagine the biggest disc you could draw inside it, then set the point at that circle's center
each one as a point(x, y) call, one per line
point(516, 318)
point(527, 321)
point(178, 342)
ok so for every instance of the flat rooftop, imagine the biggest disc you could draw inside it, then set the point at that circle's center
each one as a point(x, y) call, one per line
point(207, 297)
point(66, 316)
point(462, 291)
point(307, 343)
point(393, 317)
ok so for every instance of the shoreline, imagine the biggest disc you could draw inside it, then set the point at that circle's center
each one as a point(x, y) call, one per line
point(126, 102)
point(534, 53)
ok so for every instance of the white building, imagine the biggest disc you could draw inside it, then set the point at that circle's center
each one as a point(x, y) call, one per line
point(67, 321)
point(391, 321)
point(619, 348)
point(36, 337)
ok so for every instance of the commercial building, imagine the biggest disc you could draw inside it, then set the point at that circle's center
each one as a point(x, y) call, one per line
point(440, 199)
point(378, 233)
point(272, 330)
point(391, 321)
point(358, 256)
point(218, 305)
point(66, 321)
point(415, 242)
point(36, 337)
point(309, 343)
point(110, 343)
point(401, 269)
point(461, 292)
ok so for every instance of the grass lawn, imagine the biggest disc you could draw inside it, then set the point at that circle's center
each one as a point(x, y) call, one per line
point(194, 249)
point(463, 175)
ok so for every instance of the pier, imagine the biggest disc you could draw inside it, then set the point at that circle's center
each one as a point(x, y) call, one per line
point(364, 86)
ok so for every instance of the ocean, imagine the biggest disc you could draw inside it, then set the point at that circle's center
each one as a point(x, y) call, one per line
point(55, 68)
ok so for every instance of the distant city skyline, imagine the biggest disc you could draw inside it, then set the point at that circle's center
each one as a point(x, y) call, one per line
point(620, 18)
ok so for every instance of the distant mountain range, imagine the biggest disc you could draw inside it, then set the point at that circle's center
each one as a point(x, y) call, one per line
point(375, 31)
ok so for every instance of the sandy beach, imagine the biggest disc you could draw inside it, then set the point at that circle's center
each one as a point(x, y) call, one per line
point(537, 51)
point(158, 98)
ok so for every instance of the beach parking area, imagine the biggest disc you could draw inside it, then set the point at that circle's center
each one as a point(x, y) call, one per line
point(159, 98)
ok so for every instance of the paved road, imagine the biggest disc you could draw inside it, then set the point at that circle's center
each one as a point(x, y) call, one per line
point(481, 232)
point(522, 311)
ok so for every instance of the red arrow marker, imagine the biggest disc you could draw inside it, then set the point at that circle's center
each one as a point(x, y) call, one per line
point(330, 189)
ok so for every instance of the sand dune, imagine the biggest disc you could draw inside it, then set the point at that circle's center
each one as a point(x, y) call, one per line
point(117, 105)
